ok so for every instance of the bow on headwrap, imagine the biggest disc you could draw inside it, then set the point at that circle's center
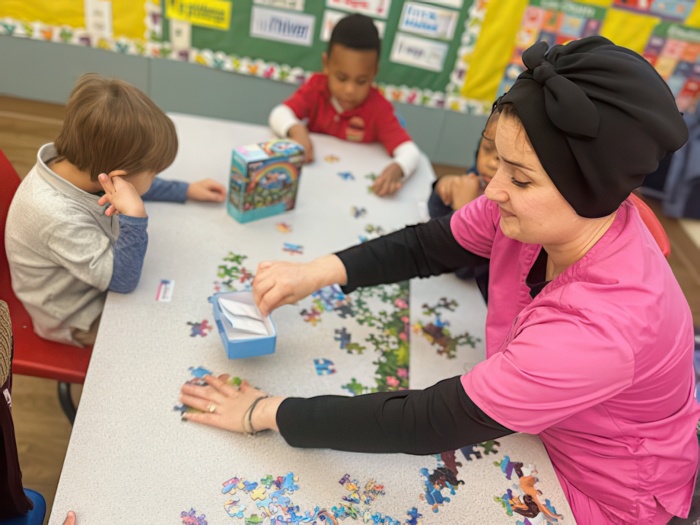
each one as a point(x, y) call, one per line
point(599, 117)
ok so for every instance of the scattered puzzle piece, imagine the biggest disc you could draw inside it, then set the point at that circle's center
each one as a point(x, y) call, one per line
point(283, 227)
point(346, 175)
point(343, 337)
point(324, 367)
point(202, 328)
point(293, 249)
point(358, 212)
point(331, 159)
point(191, 518)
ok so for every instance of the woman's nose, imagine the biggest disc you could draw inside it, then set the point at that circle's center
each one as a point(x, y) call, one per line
point(495, 191)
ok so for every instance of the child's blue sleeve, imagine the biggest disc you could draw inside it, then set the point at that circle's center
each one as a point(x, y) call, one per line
point(129, 252)
point(166, 190)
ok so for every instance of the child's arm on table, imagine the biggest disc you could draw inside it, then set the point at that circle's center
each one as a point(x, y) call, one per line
point(284, 123)
point(399, 145)
point(164, 190)
point(406, 157)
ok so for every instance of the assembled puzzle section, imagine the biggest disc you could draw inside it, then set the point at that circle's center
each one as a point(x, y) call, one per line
point(264, 179)
point(244, 331)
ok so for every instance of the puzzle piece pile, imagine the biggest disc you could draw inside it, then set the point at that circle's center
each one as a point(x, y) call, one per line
point(523, 498)
point(268, 501)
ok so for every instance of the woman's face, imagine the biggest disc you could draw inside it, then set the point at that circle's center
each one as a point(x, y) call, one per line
point(532, 209)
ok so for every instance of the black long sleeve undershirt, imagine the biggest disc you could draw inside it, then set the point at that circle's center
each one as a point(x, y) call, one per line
point(422, 250)
point(437, 419)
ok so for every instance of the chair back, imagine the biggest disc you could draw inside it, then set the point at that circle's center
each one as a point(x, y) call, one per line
point(34, 516)
point(653, 225)
point(34, 356)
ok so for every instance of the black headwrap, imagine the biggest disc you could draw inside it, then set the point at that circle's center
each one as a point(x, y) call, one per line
point(599, 117)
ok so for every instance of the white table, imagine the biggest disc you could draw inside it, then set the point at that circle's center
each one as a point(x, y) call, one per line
point(131, 460)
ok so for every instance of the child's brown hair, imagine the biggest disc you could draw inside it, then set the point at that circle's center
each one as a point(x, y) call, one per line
point(112, 125)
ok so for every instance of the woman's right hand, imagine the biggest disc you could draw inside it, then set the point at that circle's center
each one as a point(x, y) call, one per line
point(278, 283)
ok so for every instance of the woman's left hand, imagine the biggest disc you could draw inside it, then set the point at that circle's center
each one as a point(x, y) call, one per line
point(206, 190)
point(225, 406)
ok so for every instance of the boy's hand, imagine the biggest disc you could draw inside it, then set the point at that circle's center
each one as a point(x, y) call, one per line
point(458, 190)
point(389, 182)
point(206, 190)
point(121, 195)
point(299, 133)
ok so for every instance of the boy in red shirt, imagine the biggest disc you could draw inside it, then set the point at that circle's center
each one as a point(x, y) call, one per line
point(342, 102)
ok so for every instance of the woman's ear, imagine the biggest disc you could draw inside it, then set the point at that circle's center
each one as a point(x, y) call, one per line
point(324, 63)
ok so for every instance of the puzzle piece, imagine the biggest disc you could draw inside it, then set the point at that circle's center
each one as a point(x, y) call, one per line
point(504, 501)
point(413, 515)
point(324, 367)
point(358, 212)
point(490, 447)
point(182, 409)
point(346, 175)
point(248, 487)
point(191, 518)
point(344, 310)
point(201, 328)
point(234, 510)
point(293, 249)
point(267, 481)
point(354, 387)
point(311, 316)
point(283, 227)
point(200, 371)
point(331, 159)
point(231, 485)
point(470, 451)
point(343, 337)
point(258, 493)
point(288, 483)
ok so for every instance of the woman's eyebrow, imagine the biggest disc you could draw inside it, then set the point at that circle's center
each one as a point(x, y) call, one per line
point(513, 163)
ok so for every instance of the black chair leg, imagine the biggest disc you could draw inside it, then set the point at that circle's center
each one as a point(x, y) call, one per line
point(66, 400)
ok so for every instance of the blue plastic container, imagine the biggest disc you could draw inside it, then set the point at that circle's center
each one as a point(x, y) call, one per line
point(238, 344)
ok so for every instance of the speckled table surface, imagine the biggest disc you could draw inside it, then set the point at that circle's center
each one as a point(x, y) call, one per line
point(132, 461)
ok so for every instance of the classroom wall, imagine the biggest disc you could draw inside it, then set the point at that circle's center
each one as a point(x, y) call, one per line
point(46, 72)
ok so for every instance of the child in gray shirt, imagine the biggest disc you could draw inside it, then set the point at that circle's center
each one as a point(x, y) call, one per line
point(76, 227)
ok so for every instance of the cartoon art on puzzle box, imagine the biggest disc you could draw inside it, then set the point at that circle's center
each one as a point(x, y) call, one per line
point(264, 179)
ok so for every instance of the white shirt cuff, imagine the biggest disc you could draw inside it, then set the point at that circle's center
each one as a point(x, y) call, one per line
point(282, 118)
point(407, 156)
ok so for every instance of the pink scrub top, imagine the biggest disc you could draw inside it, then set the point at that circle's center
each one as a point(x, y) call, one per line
point(599, 365)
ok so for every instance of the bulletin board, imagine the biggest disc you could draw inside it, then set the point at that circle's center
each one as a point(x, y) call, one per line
point(420, 41)
point(666, 33)
point(449, 54)
point(102, 19)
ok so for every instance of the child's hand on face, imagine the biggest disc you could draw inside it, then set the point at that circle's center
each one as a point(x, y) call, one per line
point(389, 181)
point(206, 190)
point(299, 133)
point(121, 195)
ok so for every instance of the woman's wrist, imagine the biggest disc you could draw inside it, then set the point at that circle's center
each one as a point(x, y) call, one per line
point(264, 417)
point(329, 270)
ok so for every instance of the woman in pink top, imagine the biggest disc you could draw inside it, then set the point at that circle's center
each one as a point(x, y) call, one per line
point(589, 337)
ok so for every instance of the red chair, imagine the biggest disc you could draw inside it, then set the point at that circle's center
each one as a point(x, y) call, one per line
point(652, 223)
point(35, 356)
